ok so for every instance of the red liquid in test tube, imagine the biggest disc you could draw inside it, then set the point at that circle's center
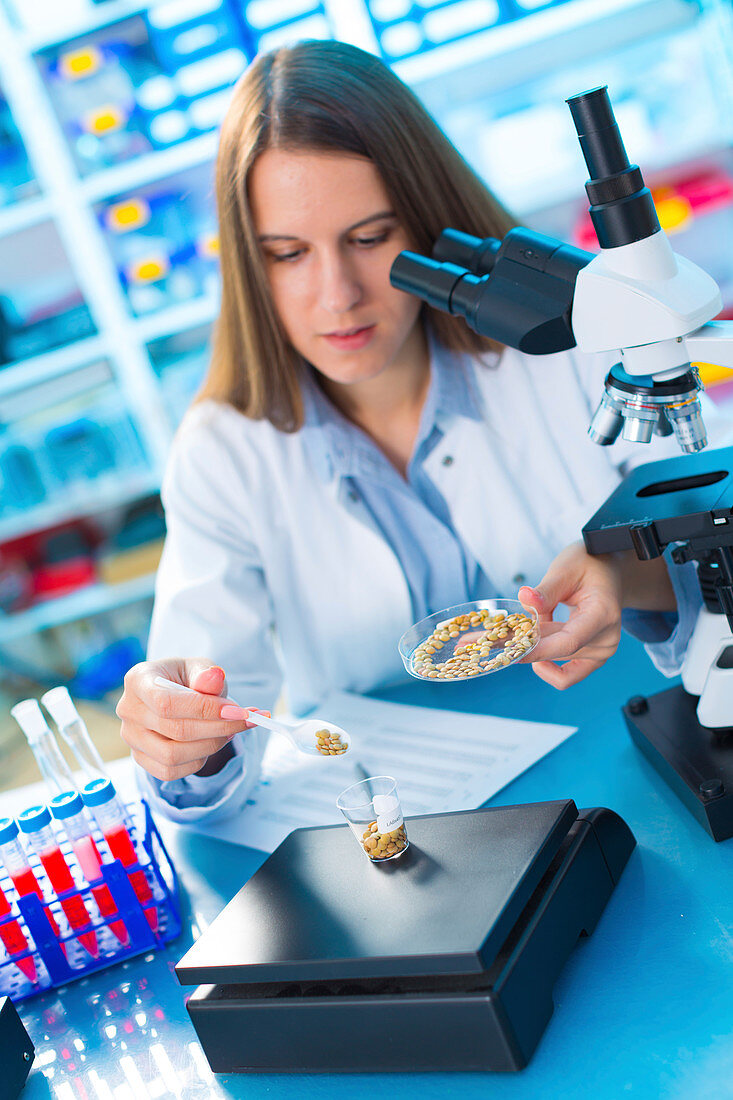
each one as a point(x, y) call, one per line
point(68, 808)
point(16, 863)
point(15, 941)
point(100, 797)
point(36, 824)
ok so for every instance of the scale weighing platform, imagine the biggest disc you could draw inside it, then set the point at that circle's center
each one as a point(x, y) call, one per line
point(442, 959)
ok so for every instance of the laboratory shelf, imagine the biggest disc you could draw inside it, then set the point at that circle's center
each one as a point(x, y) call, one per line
point(79, 501)
point(94, 599)
point(66, 26)
point(177, 318)
point(21, 215)
point(525, 45)
point(25, 373)
point(150, 167)
point(165, 322)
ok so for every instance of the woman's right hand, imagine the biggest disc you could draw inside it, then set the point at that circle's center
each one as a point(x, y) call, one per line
point(173, 734)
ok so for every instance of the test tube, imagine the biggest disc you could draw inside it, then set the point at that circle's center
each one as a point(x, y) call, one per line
point(101, 798)
point(15, 940)
point(73, 729)
point(35, 822)
point(68, 808)
point(42, 742)
point(16, 863)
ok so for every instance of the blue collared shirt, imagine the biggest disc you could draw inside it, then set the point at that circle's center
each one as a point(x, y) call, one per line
point(410, 512)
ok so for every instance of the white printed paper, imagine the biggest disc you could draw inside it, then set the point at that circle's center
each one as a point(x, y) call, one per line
point(441, 760)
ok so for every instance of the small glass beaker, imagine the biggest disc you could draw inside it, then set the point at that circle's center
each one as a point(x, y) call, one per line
point(372, 809)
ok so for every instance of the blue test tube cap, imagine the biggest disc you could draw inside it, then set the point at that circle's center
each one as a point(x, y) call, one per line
point(66, 805)
point(8, 829)
point(34, 818)
point(97, 791)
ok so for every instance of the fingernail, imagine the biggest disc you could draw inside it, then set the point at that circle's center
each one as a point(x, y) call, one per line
point(230, 711)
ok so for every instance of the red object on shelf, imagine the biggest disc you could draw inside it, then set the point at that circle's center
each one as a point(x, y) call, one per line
point(706, 191)
point(53, 579)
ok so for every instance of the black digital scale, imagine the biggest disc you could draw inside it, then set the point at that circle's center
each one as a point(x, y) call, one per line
point(442, 959)
point(686, 502)
point(16, 1051)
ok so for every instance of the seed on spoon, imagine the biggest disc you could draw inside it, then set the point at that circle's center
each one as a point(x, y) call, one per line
point(329, 744)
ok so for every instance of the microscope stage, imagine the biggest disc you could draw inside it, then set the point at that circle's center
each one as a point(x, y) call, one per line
point(689, 498)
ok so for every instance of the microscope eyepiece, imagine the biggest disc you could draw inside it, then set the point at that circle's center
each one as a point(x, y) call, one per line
point(598, 133)
point(430, 280)
point(473, 253)
point(622, 208)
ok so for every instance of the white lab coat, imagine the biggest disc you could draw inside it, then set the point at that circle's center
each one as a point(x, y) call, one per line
point(258, 542)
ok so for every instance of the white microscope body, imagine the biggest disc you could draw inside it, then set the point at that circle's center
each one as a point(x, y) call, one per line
point(708, 670)
point(654, 308)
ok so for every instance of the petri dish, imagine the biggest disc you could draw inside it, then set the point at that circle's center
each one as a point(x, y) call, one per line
point(469, 640)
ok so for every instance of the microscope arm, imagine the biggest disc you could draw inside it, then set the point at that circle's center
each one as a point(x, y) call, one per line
point(712, 343)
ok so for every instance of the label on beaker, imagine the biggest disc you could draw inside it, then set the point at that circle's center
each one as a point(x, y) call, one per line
point(388, 812)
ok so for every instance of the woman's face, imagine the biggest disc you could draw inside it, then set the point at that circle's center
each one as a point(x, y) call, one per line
point(329, 237)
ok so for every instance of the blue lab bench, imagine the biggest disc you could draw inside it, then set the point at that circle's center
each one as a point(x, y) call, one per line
point(643, 1007)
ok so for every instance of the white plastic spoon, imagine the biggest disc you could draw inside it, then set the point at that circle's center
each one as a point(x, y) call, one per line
point(301, 735)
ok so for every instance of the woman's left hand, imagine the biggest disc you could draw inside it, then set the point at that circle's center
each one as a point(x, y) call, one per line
point(597, 588)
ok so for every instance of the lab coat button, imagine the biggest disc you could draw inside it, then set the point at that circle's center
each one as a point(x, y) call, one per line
point(448, 460)
point(519, 578)
point(353, 495)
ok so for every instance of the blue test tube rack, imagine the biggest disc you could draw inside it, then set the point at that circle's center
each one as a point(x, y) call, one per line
point(62, 959)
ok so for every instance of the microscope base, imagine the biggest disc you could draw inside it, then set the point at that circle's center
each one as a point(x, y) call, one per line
point(695, 761)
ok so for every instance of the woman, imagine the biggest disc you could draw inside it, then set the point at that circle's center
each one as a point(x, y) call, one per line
point(355, 459)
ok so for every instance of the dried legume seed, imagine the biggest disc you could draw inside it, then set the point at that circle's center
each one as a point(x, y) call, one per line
point(329, 743)
point(515, 634)
point(380, 846)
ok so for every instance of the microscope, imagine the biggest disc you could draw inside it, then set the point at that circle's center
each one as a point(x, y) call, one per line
point(654, 309)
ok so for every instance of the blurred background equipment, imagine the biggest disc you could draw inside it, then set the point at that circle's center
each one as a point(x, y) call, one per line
point(109, 252)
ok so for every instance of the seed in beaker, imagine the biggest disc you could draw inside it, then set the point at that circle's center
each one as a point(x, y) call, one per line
point(380, 846)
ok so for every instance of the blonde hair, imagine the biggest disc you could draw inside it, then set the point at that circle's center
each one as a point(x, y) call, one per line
point(327, 95)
